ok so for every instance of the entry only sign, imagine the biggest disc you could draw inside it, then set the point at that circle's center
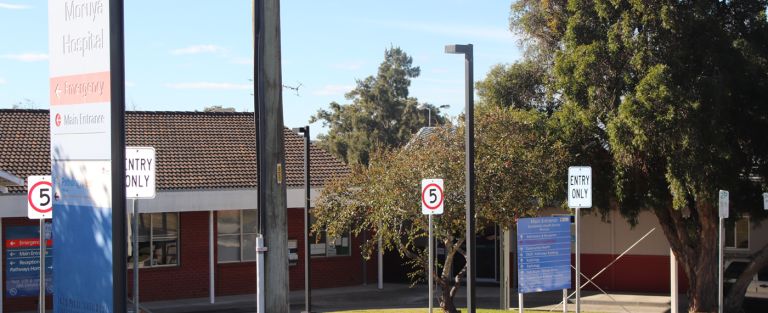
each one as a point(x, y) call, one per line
point(140, 172)
point(432, 196)
point(544, 254)
point(580, 187)
point(39, 197)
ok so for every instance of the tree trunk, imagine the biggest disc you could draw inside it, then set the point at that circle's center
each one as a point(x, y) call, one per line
point(694, 240)
point(735, 296)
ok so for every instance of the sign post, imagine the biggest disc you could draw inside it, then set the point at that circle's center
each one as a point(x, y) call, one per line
point(40, 206)
point(579, 196)
point(140, 180)
point(432, 197)
point(723, 198)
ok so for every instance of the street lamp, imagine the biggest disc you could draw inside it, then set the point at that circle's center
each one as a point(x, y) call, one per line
point(424, 106)
point(307, 283)
point(469, 191)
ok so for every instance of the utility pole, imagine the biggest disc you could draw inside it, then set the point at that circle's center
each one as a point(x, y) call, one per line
point(273, 224)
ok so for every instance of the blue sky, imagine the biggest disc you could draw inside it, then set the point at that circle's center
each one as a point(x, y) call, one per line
point(187, 55)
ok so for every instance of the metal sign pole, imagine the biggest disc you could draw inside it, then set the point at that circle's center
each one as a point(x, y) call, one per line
point(520, 306)
point(720, 266)
point(565, 300)
point(135, 256)
point(431, 263)
point(42, 265)
point(578, 264)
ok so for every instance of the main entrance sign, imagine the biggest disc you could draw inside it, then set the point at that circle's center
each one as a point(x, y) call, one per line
point(81, 166)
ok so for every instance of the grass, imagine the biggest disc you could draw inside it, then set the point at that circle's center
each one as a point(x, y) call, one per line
point(435, 310)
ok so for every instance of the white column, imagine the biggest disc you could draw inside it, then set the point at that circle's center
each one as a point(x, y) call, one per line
point(672, 282)
point(211, 259)
point(520, 306)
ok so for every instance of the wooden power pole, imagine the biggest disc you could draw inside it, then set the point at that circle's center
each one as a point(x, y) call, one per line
point(271, 154)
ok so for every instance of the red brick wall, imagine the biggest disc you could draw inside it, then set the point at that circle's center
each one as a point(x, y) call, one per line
point(190, 278)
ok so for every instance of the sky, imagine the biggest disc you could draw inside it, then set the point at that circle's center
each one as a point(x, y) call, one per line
point(188, 55)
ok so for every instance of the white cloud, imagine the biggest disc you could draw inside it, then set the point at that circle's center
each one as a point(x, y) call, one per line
point(198, 49)
point(210, 86)
point(348, 65)
point(129, 84)
point(25, 57)
point(11, 6)
point(333, 90)
point(2, 81)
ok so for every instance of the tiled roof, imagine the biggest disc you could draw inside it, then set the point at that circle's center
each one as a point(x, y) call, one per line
point(194, 150)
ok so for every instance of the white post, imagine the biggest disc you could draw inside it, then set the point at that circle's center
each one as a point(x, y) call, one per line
point(211, 259)
point(565, 300)
point(672, 282)
point(520, 305)
point(720, 267)
point(42, 265)
point(260, 249)
point(135, 256)
point(381, 264)
point(431, 264)
point(578, 264)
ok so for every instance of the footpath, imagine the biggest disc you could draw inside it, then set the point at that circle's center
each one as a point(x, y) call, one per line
point(395, 296)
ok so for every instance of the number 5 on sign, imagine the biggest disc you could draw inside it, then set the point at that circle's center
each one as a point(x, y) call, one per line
point(39, 197)
point(432, 196)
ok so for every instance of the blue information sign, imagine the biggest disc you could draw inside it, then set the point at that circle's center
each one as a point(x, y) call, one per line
point(22, 259)
point(543, 254)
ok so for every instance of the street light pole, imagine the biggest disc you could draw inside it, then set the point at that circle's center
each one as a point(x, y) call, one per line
point(469, 100)
point(307, 254)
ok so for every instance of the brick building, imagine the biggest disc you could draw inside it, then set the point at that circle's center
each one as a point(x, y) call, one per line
point(204, 209)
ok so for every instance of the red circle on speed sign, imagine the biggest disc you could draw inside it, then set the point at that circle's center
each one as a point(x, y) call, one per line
point(31, 192)
point(424, 199)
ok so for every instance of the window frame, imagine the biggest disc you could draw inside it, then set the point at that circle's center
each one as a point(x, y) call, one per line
point(324, 234)
point(152, 239)
point(736, 234)
point(241, 234)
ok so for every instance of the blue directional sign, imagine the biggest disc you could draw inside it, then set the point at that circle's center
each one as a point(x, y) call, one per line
point(543, 254)
point(22, 257)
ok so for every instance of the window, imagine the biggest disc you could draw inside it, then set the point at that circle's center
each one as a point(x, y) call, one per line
point(158, 240)
point(338, 246)
point(237, 235)
point(737, 234)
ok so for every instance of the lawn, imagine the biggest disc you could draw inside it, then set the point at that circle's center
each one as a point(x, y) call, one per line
point(436, 310)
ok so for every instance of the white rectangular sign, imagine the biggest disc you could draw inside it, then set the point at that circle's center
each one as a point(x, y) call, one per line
point(765, 201)
point(432, 196)
point(140, 172)
point(723, 203)
point(580, 187)
point(39, 197)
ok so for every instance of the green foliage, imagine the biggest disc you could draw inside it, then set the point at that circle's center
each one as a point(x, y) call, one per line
point(519, 166)
point(668, 100)
point(519, 85)
point(381, 113)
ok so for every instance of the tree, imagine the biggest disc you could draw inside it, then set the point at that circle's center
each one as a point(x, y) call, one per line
point(518, 167)
point(668, 98)
point(381, 113)
point(218, 108)
point(521, 85)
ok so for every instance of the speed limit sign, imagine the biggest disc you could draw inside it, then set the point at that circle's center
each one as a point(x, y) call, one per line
point(39, 197)
point(432, 196)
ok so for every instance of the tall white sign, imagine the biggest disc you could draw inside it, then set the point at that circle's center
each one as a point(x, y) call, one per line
point(81, 167)
point(765, 201)
point(432, 196)
point(140, 172)
point(580, 187)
